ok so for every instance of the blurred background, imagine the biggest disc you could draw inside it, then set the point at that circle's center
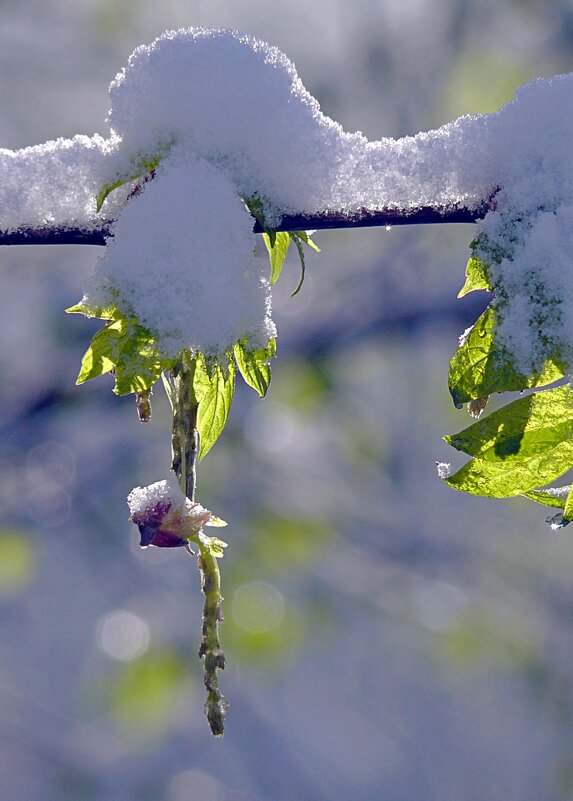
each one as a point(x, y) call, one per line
point(387, 638)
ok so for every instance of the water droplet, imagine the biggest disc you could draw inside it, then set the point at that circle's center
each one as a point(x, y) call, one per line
point(558, 521)
point(476, 406)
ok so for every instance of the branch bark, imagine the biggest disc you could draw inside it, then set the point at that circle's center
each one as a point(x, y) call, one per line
point(426, 215)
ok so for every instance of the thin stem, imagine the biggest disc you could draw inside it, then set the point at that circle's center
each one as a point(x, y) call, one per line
point(210, 649)
point(365, 218)
point(185, 446)
point(185, 437)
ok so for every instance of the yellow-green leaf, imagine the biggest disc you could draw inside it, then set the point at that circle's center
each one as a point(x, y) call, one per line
point(101, 312)
point(214, 387)
point(526, 427)
point(101, 356)
point(253, 365)
point(143, 167)
point(129, 349)
point(482, 366)
point(523, 446)
point(277, 252)
point(554, 496)
point(476, 277)
point(307, 240)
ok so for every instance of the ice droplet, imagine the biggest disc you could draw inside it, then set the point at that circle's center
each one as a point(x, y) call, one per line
point(557, 522)
point(444, 469)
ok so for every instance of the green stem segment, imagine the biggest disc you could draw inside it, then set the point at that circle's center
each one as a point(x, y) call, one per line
point(185, 447)
point(185, 437)
point(210, 649)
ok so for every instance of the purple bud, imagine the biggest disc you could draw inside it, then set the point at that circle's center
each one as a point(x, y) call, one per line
point(160, 538)
point(165, 517)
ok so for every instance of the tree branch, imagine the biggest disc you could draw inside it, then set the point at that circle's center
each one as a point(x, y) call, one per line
point(426, 215)
point(56, 236)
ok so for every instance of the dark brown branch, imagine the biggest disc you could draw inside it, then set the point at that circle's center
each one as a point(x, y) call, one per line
point(298, 222)
point(55, 236)
point(425, 215)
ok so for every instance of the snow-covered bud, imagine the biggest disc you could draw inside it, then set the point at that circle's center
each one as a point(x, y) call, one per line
point(165, 517)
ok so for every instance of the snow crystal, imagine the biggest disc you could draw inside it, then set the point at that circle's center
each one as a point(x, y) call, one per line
point(167, 492)
point(57, 183)
point(558, 492)
point(444, 469)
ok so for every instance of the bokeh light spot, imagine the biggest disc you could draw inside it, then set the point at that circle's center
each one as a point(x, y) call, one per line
point(54, 461)
point(122, 635)
point(438, 605)
point(258, 607)
point(50, 473)
point(17, 561)
point(191, 784)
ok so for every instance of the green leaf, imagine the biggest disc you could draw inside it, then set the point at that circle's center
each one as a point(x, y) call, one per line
point(526, 427)
point(477, 277)
point(101, 356)
point(107, 190)
point(278, 242)
point(139, 364)
point(101, 312)
point(253, 365)
point(306, 239)
point(505, 480)
point(277, 251)
point(216, 547)
point(214, 387)
point(481, 367)
point(568, 510)
point(79, 308)
point(298, 237)
point(143, 167)
point(554, 497)
point(297, 241)
point(129, 349)
point(525, 445)
point(255, 206)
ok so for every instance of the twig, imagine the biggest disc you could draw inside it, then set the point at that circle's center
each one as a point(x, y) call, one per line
point(426, 215)
point(185, 448)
